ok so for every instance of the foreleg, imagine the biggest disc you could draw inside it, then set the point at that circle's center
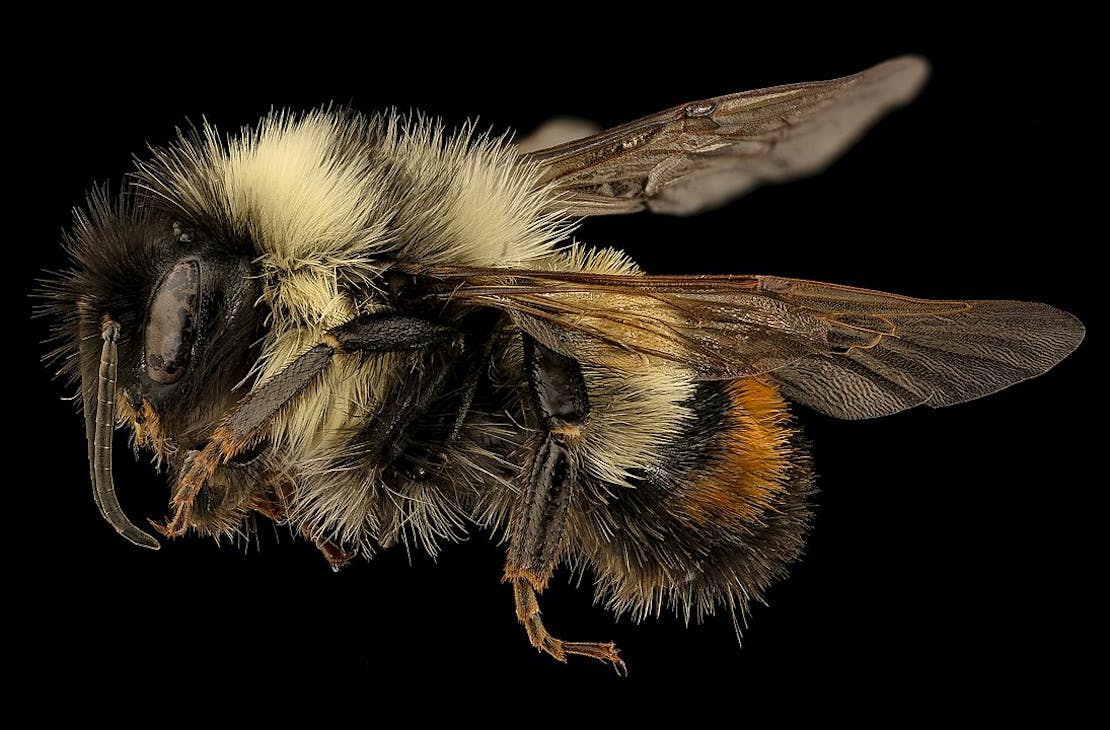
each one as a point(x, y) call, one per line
point(249, 420)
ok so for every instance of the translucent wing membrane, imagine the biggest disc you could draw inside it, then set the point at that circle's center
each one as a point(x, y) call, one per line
point(888, 353)
point(705, 153)
point(850, 353)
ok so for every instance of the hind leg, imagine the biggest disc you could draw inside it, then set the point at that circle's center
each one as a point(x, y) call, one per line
point(539, 520)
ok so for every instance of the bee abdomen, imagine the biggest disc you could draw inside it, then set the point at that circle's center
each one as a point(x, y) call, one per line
point(720, 518)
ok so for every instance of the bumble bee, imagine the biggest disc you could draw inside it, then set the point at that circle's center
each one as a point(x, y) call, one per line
point(380, 332)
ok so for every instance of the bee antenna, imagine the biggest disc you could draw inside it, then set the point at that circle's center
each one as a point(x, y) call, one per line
point(104, 488)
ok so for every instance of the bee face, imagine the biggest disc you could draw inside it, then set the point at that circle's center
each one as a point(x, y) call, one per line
point(185, 305)
point(199, 323)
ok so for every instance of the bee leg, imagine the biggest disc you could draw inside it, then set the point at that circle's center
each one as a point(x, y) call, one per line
point(454, 382)
point(528, 613)
point(389, 431)
point(274, 509)
point(248, 421)
point(539, 520)
point(479, 363)
point(429, 461)
point(561, 406)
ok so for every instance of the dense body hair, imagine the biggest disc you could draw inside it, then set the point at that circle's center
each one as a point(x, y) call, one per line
point(324, 205)
point(329, 201)
point(717, 521)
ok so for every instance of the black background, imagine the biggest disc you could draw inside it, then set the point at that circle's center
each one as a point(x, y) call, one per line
point(945, 563)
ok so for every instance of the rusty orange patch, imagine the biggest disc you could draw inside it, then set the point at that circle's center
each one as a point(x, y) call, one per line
point(753, 464)
point(569, 432)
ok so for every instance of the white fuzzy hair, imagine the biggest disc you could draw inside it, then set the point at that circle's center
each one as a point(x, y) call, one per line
point(331, 199)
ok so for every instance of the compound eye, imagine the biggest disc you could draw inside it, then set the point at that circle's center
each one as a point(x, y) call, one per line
point(171, 323)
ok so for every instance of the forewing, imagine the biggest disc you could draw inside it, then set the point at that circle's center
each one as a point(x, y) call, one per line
point(885, 353)
point(847, 352)
point(718, 327)
point(702, 154)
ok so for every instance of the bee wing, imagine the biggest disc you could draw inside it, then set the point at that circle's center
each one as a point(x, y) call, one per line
point(702, 154)
point(556, 131)
point(847, 352)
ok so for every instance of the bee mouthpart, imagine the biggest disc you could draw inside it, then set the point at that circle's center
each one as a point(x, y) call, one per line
point(104, 489)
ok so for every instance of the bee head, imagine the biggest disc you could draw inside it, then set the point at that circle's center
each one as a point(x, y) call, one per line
point(155, 322)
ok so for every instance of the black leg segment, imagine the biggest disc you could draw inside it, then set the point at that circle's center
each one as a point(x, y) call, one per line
point(539, 522)
point(558, 395)
point(387, 332)
point(558, 390)
point(542, 512)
